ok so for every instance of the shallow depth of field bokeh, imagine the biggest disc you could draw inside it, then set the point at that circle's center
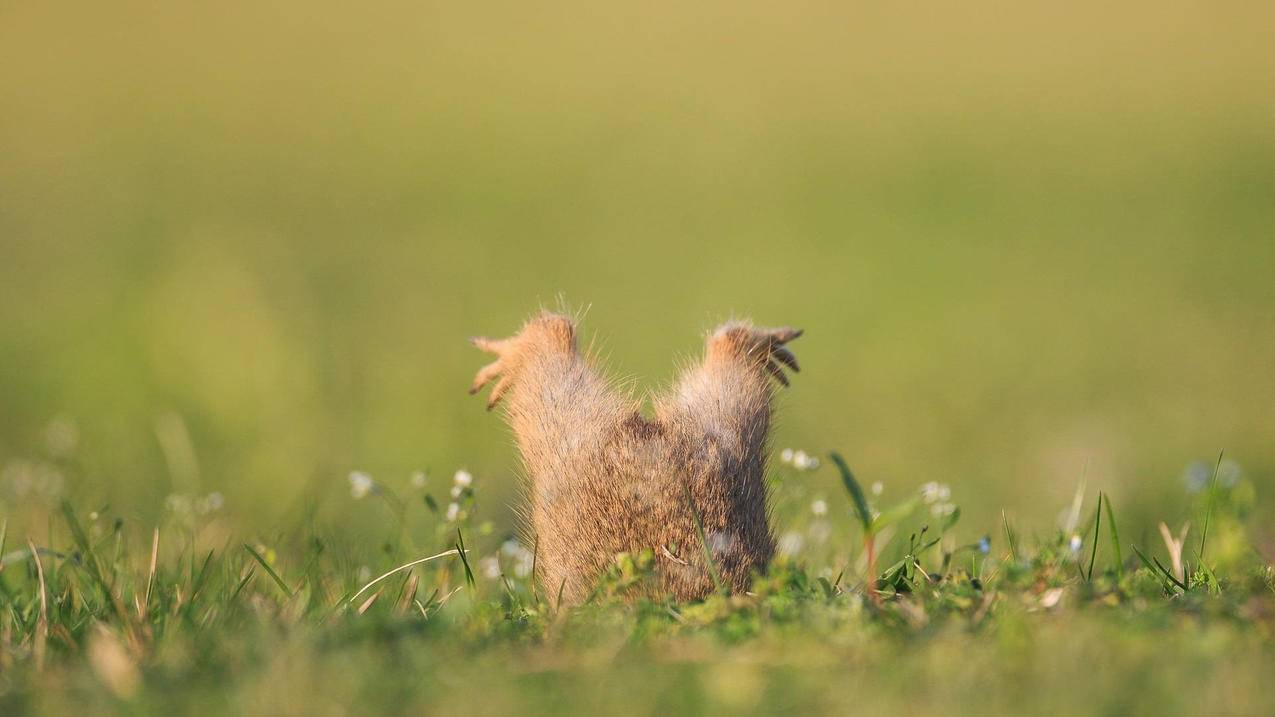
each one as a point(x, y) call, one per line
point(241, 247)
point(1021, 239)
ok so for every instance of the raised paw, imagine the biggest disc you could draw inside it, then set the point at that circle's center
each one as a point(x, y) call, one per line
point(764, 347)
point(546, 332)
point(496, 369)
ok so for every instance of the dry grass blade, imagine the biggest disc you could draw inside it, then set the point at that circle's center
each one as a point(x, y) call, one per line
point(405, 566)
point(150, 578)
point(408, 594)
point(42, 627)
point(368, 603)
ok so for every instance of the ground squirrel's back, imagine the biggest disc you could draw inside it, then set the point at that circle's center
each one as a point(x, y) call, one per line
point(605, 480)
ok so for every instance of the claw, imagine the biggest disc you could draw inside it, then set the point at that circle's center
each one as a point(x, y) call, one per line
point(499, 391)
point(784, 356)
point(485, 375)
point(777, 373)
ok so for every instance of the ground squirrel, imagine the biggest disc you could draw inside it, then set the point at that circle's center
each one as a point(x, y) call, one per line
point(603, 479)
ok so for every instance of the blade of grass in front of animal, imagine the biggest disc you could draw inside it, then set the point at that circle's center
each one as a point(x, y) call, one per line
point(1209, 511)
point(269, 570)
point(535, 564)
point(1115, 536)
point(703, 542)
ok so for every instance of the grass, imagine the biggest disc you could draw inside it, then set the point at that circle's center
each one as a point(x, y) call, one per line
point(118, 618)
point(242, 246)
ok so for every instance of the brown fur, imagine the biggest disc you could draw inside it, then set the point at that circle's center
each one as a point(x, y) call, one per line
point(605, 480)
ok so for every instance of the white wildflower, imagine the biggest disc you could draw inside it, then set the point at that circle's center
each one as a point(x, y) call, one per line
point(489, 567)
point(877, 488)
point(785, 455)
point(819, 507)
point(179, 504)
point(800, 461)
point(35, 478)
point(521, 558)
point(211, 503)
point(453, 512)
point(418, 479)
point(463, 478)
point(1075, 543)
point(456, 491)
point(361, 484)
point(935, 492)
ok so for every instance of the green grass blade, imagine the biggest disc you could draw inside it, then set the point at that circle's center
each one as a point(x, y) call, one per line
point(200, 579)
point(464, 559)
point(894, 514)
point(1115, 536)
point(242, 583)
point(1208, 513)
point(82, 542)
point(1097, 523)
point(269, 570)
point(1156, 567)
point(709, 564)
point(855, 490)
point(1009, 536)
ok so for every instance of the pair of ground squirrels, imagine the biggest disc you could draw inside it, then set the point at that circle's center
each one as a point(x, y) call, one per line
point(603, 479)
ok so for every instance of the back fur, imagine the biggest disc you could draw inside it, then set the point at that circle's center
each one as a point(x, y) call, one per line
point(605, 480)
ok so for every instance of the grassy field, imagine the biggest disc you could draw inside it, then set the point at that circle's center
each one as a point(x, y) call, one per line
point(242, 246)
point(1084, 622)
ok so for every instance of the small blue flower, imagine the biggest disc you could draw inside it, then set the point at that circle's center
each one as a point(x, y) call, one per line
point(984, 545)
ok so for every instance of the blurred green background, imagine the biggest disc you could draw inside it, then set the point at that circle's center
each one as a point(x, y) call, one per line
point(242, 244)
